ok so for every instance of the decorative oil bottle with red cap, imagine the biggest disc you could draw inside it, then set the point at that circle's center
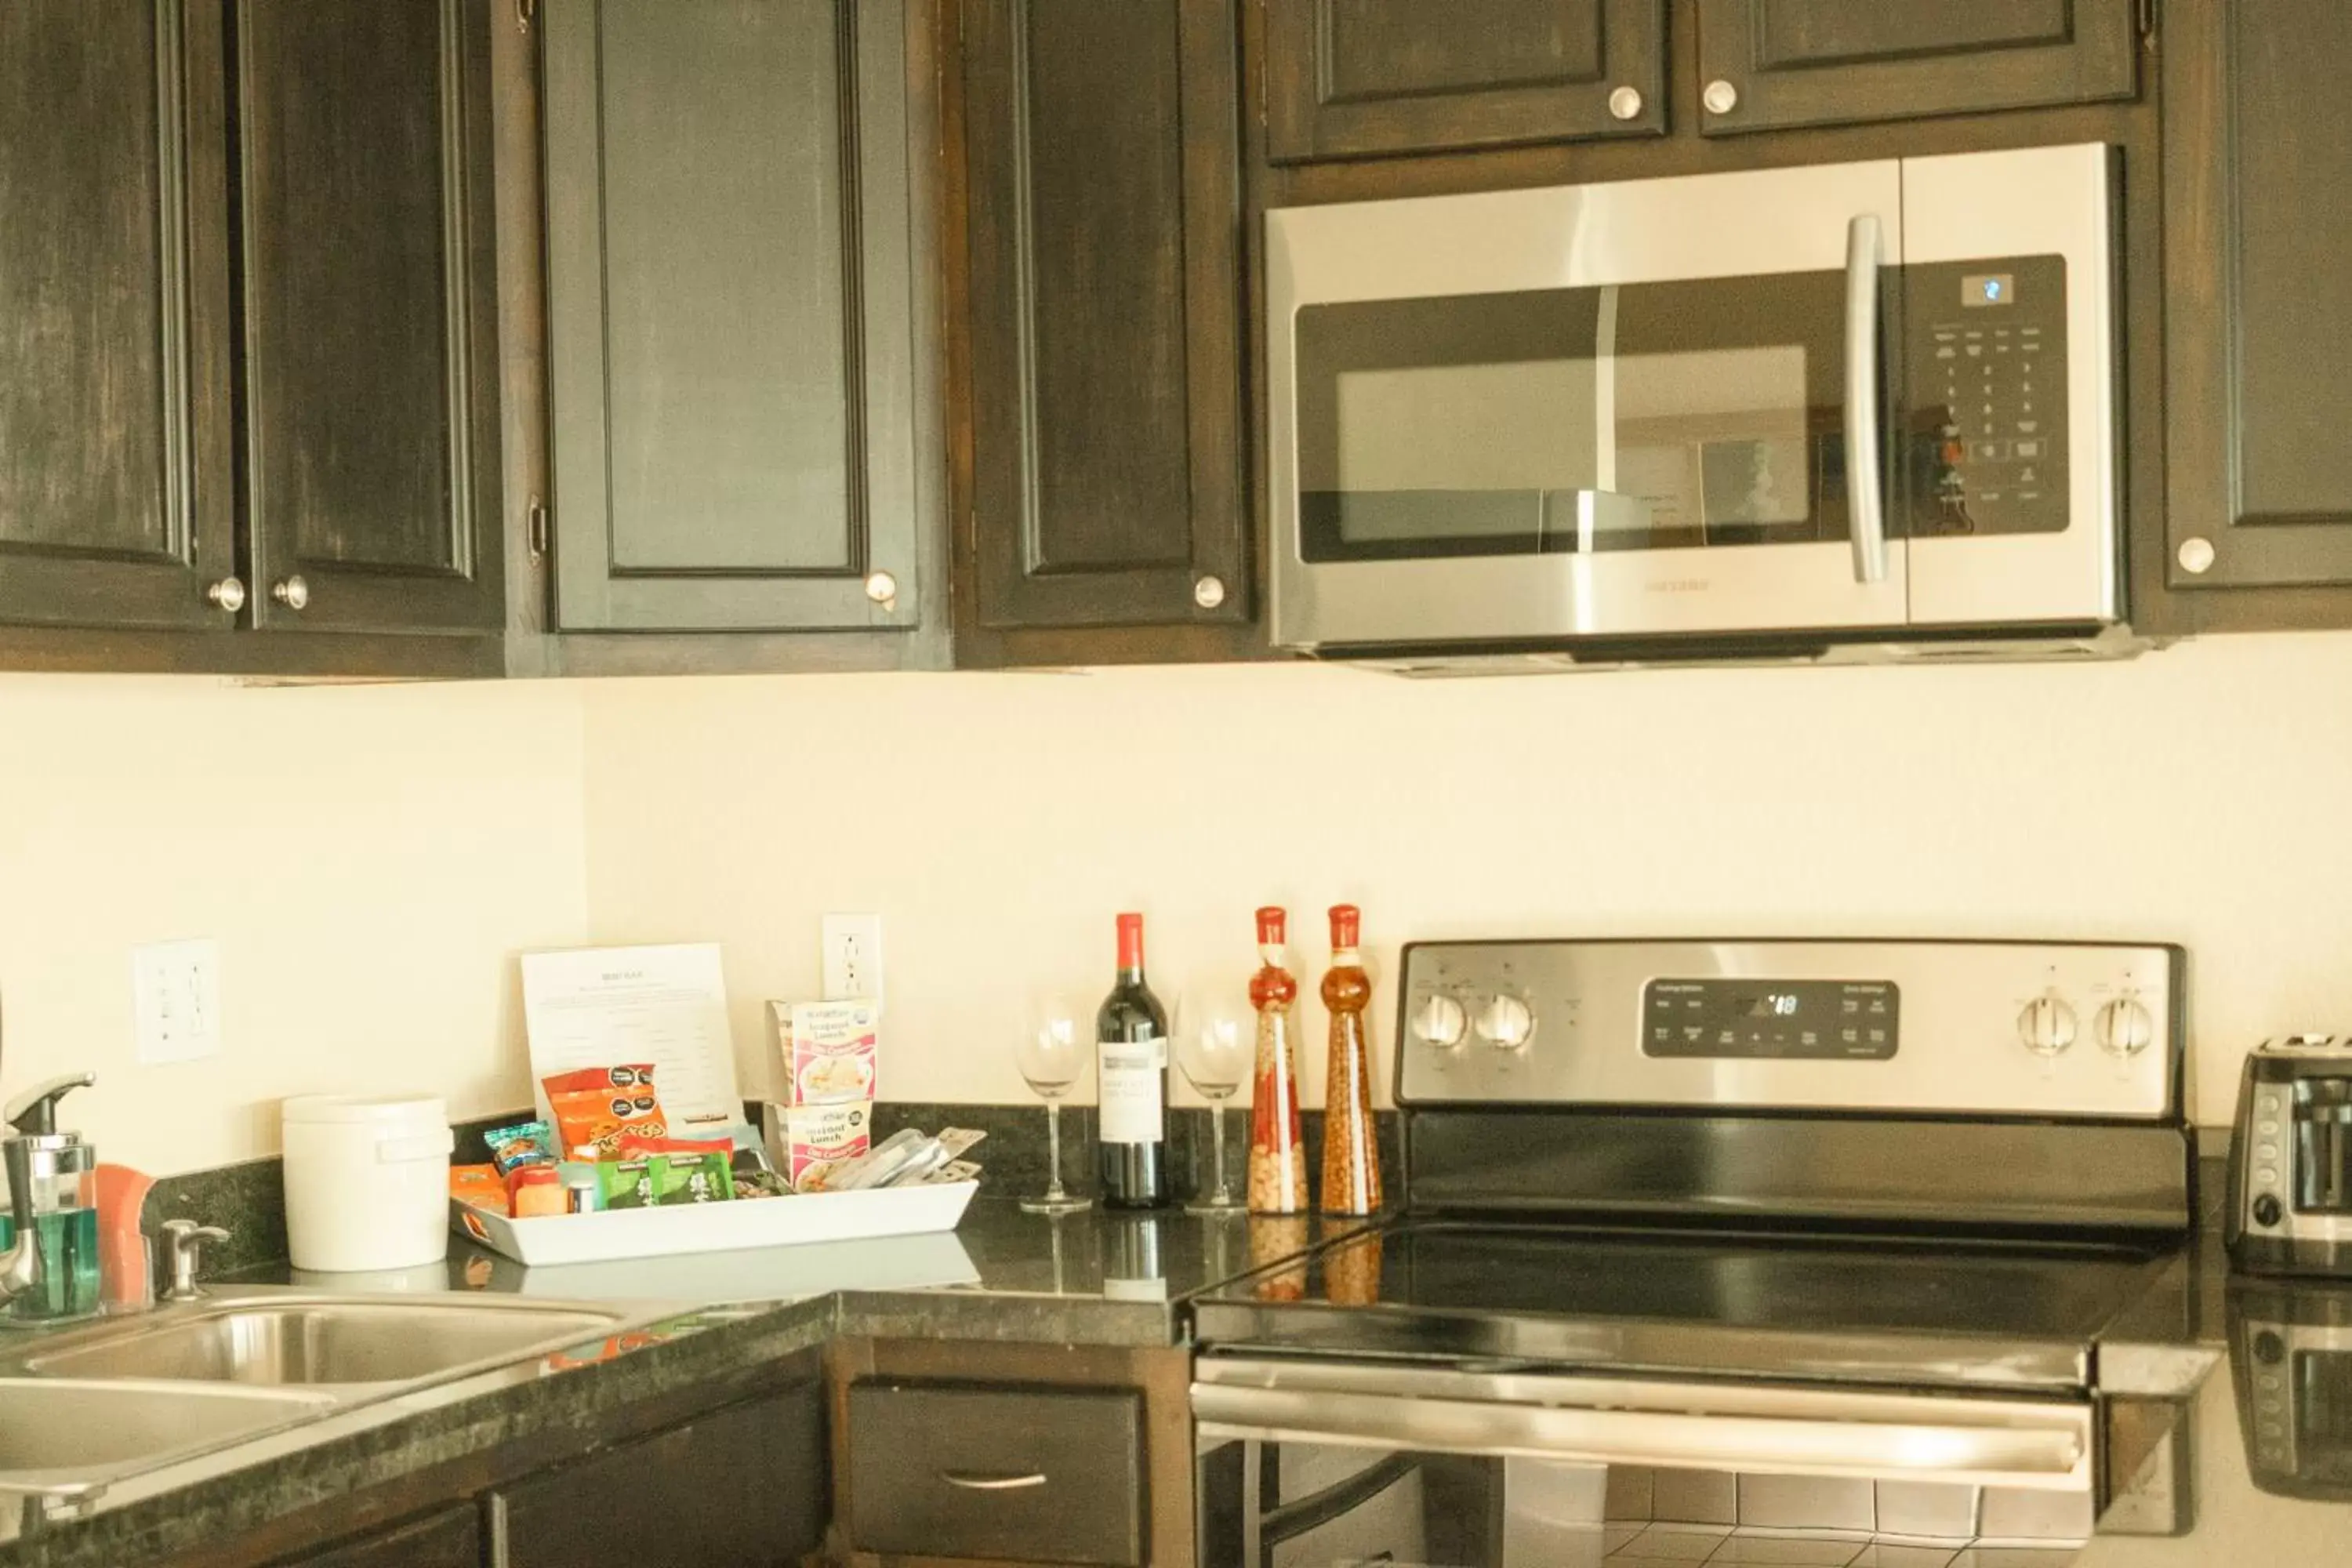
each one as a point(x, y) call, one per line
point(1131, 1080)
point(1351, 1157)
point(1277, 1157)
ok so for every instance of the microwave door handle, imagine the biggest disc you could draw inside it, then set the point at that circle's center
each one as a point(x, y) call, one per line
point(1865, 484)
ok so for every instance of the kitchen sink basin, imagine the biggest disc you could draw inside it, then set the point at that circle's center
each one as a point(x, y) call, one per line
point(324, 1342)
point(54, 1429)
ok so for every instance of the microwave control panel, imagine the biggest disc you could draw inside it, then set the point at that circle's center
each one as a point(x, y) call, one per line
point(1986, 372)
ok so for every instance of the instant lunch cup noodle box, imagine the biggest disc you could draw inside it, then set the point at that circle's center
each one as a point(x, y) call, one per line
point(826, 1049)
point(806, 1140)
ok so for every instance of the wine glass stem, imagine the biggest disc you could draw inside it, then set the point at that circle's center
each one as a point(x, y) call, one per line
point(1217, 1150)
point(1053, 1150)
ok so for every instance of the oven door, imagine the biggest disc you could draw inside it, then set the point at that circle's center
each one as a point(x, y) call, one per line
point(1654, 406)
point(1306, 1464)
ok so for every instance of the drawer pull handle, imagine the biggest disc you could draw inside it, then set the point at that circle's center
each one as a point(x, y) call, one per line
point(984, 1481)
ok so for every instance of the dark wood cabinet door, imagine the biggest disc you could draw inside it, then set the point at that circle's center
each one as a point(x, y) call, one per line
point(116, 507)
point(745, 1486)
point(1102, 420)
point(371, 341)
point(1769, 64)
point(729, 299)
point(1348, 79)
point(2258, 294)
point(450, 1538)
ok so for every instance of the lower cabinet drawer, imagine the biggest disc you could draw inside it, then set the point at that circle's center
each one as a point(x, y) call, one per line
point(1040, 1475)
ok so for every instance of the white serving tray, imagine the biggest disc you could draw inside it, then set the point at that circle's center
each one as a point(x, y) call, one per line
point(743, 1223)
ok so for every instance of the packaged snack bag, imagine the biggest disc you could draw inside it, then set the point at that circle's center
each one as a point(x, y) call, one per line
point(595, 1106)
point(524, 1143)
point(480, 1186)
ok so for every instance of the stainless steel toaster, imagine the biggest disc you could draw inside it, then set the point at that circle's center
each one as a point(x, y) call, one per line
point(2291, 1160)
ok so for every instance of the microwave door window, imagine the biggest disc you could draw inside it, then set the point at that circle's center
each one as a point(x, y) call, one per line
point(1640, 416)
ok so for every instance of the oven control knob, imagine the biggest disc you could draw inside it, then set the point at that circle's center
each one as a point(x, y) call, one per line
point(2047, 1025)
point(2124, 1027)
point(1507, 1023)
point(1439, 1021)
point(2268, 1211)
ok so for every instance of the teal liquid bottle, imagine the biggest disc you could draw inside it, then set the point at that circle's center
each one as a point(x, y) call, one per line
point(69, 1266)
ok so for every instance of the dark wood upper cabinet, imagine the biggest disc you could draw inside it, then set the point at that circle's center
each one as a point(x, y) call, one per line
point(371, 443)
point(116, 506)
point(1348, 79)
point(2258, 296)
point(1100, 423)
point(730, 284)
point(1770, 64)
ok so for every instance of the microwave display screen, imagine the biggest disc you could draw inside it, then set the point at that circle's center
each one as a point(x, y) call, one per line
point(1636, 417)
point(1825, 1020)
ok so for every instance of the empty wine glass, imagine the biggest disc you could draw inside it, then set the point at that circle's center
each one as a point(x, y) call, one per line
point(1053, 1055)
point(1217, 1041)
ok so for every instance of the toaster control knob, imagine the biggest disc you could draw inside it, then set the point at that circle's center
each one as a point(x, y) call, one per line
point(1506, 1023)
point(2047, 1025)
point(2124, 1027)
point(2267, 1210)
point(1439, 1021)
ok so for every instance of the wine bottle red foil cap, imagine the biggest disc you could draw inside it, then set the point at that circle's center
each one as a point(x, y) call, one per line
point(1130, 942)
point(1271, 920)
point(1345, 922)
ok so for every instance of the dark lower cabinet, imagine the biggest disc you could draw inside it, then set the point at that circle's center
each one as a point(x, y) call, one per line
point(450, 1538)
point(730, 287)
point(116, 507)
point(1772, 64)
point(744, 1486)
point(1347, 79)
point(372, 441)
point(2258, 300)
point(1098, 418)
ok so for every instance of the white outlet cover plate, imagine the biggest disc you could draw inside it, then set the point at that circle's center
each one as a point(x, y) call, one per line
point(176, 1000)
point(846, 978)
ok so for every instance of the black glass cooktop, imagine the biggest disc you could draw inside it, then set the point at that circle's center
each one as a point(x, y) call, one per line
point(2011, 1314)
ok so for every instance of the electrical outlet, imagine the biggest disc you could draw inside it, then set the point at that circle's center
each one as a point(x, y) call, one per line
point(176, 1000)
point(853, 957)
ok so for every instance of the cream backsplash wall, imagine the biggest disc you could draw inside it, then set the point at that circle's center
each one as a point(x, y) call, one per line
point(996, 822)
point(371, 858)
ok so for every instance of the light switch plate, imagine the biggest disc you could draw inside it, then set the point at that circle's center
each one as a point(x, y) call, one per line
point(176, 1000)
point(853, 957)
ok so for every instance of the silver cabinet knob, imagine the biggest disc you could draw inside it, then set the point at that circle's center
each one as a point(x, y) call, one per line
point(1720, 97)
point(1626, 103)
point(293, 592)
point(2196, 555)
point(882, 587)
point(228, 593)
point(2046, 1026)
point(1208, 592)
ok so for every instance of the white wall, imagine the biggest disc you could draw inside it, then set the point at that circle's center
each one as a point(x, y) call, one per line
point(369, 857)
point(2201, 795)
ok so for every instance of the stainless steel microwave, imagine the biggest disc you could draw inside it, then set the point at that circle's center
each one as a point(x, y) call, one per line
point(1842, 410)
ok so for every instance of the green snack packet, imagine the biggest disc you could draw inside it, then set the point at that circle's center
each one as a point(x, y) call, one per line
point(524, 1143)
point(626, 1183)
point(706, 1178)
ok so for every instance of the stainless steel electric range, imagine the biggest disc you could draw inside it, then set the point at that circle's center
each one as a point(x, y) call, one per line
point(1713, 1243)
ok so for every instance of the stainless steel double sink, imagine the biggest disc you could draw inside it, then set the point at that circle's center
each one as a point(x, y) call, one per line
point(86, 1406)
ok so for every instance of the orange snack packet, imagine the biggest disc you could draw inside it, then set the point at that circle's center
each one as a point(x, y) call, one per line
point(594, 1107)
point(479, 1186)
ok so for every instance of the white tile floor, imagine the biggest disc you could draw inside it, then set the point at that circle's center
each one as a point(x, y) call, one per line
point(1685, 1545)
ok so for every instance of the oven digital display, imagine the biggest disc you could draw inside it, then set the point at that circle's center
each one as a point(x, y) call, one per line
point(1777, 1020)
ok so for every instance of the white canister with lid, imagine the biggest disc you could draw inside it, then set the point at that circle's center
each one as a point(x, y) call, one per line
point(367, 1181)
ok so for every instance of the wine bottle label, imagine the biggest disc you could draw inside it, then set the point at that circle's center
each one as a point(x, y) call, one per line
point(1130, 1078)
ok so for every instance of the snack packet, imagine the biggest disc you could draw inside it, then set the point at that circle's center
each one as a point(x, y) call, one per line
point(705, 1178)
point(480, 1186)
point(625, 1184)
point(595, 1106)
point(524, 1143)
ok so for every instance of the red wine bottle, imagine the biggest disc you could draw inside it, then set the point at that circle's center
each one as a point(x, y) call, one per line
point(1131, 1131)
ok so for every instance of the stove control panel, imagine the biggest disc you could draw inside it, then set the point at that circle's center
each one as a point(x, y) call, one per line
point(2075, 1029)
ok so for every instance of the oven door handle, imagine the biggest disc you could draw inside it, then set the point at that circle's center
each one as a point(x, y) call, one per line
point(2049, 1452)
point(1865, 482)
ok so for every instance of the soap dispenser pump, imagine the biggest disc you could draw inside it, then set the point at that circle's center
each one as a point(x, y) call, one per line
point(50, 1269)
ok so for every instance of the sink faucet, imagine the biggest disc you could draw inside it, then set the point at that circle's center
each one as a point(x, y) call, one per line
point(36, 1159)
